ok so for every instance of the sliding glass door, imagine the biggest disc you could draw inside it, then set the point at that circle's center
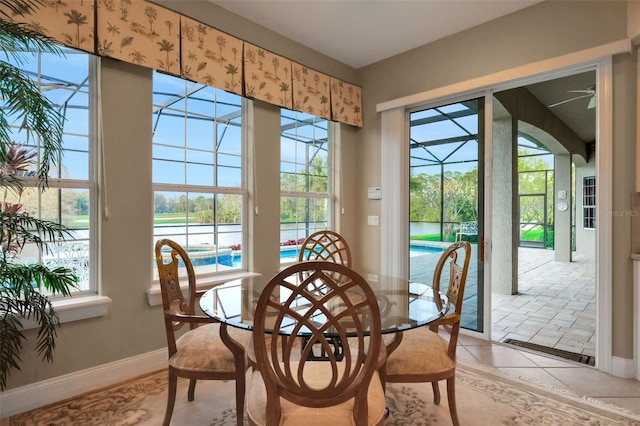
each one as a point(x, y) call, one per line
point(446, 194)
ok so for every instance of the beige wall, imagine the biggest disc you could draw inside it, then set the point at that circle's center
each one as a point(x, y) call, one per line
point(546, 30)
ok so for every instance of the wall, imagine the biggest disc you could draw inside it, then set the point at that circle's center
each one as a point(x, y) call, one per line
point(546, 30)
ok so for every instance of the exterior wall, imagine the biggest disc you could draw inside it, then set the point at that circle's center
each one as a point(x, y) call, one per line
point(585, 238)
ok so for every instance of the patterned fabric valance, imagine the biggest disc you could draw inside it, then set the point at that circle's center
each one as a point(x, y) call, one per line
point(346, 102)
point(143, 33)
point(210, 57)
point(311, 91)
point(72, 23)
point(267, 76)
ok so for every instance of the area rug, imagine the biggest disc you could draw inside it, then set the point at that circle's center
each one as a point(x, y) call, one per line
point(485, 397)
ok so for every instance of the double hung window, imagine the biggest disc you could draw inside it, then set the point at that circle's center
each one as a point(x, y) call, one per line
point(198, 172)
point(589, 202)
point(66, 80)
point(305, 185)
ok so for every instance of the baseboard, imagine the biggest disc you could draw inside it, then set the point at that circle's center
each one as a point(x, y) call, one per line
point(623, 367)
point(18, 400)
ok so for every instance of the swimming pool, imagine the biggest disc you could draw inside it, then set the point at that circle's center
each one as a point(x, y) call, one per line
point(290, 255)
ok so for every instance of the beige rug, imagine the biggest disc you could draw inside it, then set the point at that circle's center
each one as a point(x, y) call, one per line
point(485, 397)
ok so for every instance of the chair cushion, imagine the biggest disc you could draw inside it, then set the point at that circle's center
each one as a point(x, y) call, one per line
point(421, 352)
point(202, 349)
point(295, 415)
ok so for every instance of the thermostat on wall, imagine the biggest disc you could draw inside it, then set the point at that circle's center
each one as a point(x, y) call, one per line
point(375, 193)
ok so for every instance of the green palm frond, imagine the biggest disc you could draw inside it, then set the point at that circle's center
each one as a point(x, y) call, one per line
point(21, 285)
point(18, 229)
point(16, 38)
point(37, 115)
point(28, 305)
point(26, 277)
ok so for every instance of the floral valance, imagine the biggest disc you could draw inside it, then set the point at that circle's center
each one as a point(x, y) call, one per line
point(210, 57)
point(143, 33)
point(72, 23)
point(346, 102)
point(311, 91)
point(267, 76)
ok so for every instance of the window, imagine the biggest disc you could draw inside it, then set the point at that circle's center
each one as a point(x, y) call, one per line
point(305, 200)
point(198, 172)
point(589, 202)
point(69, 200)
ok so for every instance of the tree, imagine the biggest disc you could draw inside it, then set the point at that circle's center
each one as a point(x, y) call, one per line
point(20, 283)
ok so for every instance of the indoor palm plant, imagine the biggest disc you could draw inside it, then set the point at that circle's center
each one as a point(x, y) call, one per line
point(22, 285)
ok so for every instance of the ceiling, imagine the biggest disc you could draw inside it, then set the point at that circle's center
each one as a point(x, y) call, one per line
point(350, 32)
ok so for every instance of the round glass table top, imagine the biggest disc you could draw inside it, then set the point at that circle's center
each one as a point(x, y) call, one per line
point(403, 304)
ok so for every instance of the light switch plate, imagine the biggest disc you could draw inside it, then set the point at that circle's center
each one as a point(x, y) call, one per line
point(374, 193)
point(372, 220)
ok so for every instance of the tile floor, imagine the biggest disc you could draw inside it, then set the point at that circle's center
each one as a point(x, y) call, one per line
point(555, 305)
point(577, 379)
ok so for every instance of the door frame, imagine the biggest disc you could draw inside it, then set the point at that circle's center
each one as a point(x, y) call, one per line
point(394, 226)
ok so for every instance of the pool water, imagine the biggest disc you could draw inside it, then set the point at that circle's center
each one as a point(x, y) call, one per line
point(292, 254)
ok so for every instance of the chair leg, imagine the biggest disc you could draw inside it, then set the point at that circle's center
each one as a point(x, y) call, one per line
point(451, 396)
point(171, 399)
point(436, 392)
point(192, 389)
point(240, 389)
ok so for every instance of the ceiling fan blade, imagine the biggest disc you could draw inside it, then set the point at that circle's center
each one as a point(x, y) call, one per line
point(569, 100)
point(589, 91)
point(592, 102)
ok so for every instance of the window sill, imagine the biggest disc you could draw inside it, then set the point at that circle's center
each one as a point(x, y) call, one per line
point(77, 308)
point(154, 295)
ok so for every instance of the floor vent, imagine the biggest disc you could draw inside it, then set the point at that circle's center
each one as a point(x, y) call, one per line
point(571, 356)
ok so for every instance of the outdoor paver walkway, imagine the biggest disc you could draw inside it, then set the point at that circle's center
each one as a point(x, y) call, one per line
point(555, 306)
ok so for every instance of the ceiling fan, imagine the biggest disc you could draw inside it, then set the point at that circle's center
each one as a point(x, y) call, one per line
point(589, 92)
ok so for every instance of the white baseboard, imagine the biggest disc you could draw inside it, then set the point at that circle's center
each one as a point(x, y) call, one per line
point(623, 367)
point(18, 400)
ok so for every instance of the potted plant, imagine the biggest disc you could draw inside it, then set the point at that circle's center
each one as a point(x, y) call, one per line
point(23, 285)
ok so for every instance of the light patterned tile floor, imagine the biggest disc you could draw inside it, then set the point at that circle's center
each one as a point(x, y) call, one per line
point(577, 379)
point(555, 306)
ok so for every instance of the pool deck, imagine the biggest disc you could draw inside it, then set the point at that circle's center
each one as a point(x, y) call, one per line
point(555, 306)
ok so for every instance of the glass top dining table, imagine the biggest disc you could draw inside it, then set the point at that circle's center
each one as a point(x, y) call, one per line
point(403, 304)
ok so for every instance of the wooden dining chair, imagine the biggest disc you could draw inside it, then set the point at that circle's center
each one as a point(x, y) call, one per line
point(325, 245)
point(207, 350)
point(423, 355)
point(288, 388)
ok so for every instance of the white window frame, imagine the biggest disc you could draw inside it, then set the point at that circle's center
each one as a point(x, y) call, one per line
point(207, 279)
point(589, 210)
point(329, 195)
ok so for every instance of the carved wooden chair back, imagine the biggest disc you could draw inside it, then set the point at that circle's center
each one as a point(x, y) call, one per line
point(288, 373)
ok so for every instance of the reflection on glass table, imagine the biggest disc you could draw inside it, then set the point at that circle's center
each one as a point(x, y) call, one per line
point(403, 304)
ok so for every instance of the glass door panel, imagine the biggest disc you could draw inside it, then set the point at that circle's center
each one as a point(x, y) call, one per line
point(445, 194)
